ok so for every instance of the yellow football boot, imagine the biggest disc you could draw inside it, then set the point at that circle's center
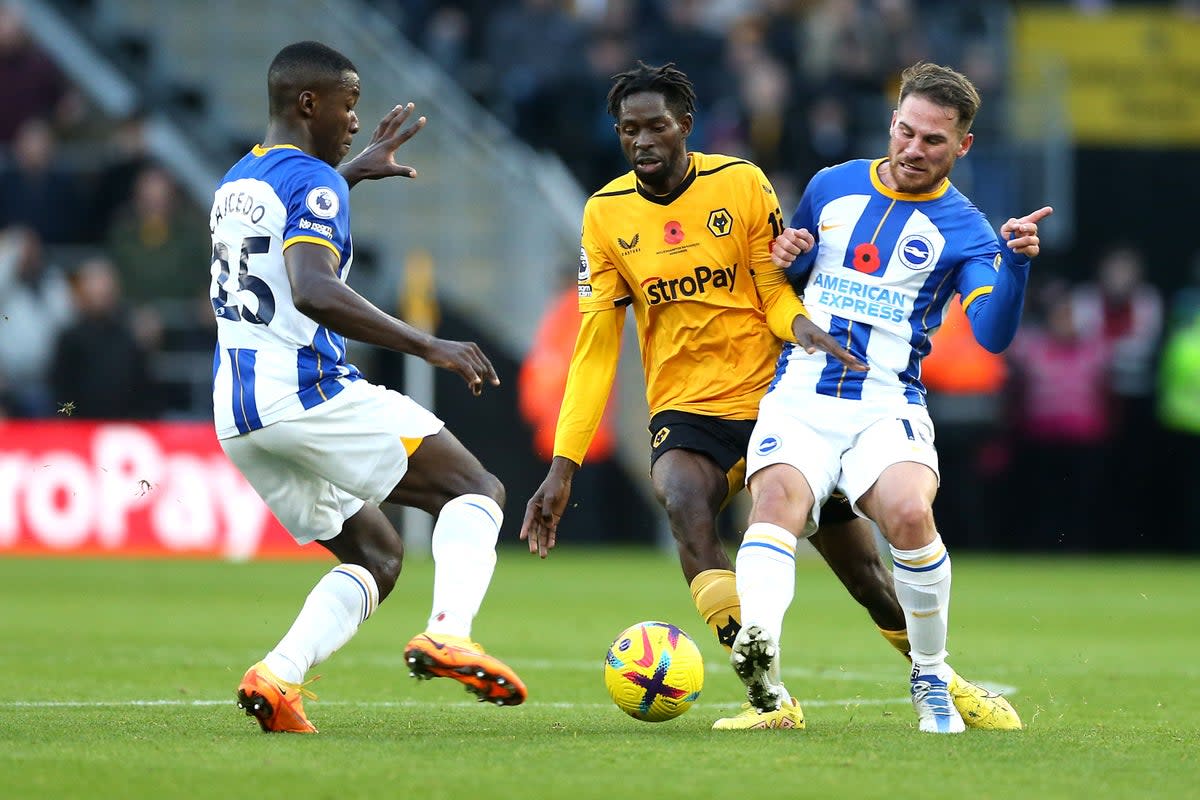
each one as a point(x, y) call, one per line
point(982, 708)
point(788, 715)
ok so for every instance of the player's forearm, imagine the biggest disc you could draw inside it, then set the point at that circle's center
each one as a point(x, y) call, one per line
point(343, 310)
point(563, 468)
point(593, 369)
point(996, 316)
point(780, 303)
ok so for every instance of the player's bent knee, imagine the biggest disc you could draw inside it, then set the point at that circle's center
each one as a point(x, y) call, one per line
point(909, 518)
point(386, 571)
point(780, 496)
point(491, 486)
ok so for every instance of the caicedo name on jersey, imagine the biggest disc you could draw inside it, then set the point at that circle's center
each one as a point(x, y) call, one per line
point(661, 290)
point(237, 203)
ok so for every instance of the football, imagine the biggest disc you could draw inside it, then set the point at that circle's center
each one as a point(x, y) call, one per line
point(653, 671)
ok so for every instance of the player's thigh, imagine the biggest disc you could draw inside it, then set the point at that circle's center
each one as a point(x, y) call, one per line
point(308, 506)
point(697, 463)
point(902, 438)
point(359, 440)
point(691, 488)
point(789, 461)
point(440, 469)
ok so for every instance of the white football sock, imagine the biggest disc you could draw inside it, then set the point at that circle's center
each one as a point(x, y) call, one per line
point(337, 605)
point(464, 555)
point(922, 580)
point(766, 576)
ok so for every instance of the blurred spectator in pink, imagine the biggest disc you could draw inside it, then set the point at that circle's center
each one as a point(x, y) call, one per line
point(38, 191)
point(35, 304)
point(1062, 420)
point(1122, 310)
point(156, 243)
point(99, 365)
point(1125, 311)
point(31, 86)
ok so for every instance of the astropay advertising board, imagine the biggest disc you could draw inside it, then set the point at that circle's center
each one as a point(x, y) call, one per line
point(130, 489)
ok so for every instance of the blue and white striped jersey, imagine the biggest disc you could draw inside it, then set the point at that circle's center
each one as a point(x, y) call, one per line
point(272, 362)
point(884, 269)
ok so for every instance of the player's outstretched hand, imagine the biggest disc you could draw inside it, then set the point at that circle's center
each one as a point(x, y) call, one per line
point(1022, 234)
point(790, 244)
point(545, 509)
point(464, 359)
point(812, 339)
point(378, 158)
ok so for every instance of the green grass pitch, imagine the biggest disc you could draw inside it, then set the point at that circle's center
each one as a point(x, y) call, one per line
point(118, 681)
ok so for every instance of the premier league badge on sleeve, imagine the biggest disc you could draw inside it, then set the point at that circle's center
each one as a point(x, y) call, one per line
point(323, 202)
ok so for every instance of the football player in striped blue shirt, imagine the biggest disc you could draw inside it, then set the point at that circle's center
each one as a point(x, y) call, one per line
point(878, 249)
point(321, 445)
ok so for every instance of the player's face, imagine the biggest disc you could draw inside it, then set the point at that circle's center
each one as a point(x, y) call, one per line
point(654, 140)
point(334, 122)
point(925, 143)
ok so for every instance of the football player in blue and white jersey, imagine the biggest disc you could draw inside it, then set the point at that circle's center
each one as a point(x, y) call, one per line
point(879, 247)
point(321, 445)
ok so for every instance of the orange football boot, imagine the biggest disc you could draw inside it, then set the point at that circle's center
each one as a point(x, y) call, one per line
point(436, 655)
point(277, 705)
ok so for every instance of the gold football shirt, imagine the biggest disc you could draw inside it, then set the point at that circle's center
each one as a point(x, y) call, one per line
point(686, 263)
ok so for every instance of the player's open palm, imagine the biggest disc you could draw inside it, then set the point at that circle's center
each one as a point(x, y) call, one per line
point(464, 359)
point(542, 513)
point(378, 158)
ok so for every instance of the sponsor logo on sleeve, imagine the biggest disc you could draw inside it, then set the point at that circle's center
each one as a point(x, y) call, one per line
point(306, 224)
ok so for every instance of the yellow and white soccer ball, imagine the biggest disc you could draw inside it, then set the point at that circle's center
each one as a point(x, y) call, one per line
point(654, 671)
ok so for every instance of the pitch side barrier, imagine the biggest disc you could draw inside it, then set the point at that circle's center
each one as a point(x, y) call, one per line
point(77, 488)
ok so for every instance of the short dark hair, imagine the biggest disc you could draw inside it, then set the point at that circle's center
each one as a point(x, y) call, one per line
point(944, 87)
point(671, 83)
point(301, 66)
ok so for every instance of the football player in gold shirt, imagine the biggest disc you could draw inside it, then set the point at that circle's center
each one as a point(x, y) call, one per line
point(685, 239)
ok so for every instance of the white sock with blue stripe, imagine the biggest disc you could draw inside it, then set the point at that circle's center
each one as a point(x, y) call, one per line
point(337, 605)
point(922, 579)
point(766, 576)
point(464, 556)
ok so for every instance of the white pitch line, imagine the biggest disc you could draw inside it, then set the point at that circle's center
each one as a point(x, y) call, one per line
point(849, 701)
point(714, 667)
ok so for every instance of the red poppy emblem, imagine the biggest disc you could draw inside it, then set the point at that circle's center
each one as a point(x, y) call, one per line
point(866, 257)
point(673, 232)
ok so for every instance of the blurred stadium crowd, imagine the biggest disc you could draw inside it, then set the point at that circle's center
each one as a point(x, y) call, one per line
point(102, 258)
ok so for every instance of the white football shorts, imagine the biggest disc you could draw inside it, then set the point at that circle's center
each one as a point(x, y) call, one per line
point(839, 444)
point(317, 470)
